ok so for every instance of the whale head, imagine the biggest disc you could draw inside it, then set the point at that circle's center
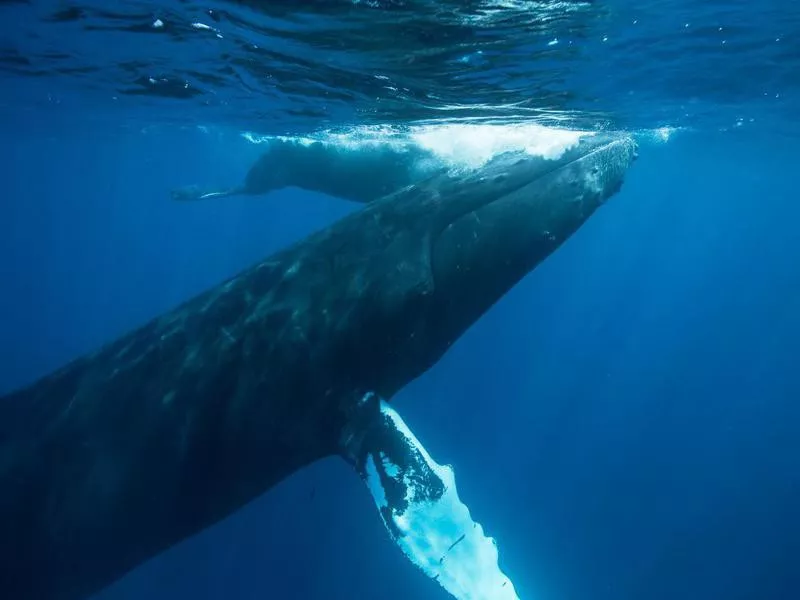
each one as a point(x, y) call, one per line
point(445, 250)
point(519, 210)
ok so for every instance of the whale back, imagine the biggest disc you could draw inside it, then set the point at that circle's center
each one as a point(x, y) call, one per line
point(123, 453)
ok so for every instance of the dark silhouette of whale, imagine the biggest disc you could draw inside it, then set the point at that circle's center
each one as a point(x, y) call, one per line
point(167, 430)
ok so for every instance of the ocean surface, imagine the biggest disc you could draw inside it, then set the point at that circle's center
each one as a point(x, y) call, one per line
point(625, 422)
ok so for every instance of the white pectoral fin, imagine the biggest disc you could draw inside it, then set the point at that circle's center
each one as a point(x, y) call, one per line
point(419, 504)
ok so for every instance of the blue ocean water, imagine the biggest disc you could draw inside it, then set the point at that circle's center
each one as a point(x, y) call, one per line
point(624, 422)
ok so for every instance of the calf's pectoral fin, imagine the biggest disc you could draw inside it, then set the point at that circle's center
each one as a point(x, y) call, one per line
point(190, 193)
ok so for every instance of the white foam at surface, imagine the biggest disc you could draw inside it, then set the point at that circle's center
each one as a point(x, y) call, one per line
point(664, 133)
point(455, 145)
point(440, 536)
point(473, 145)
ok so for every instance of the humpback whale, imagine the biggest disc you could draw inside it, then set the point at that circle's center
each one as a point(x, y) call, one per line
point(125, 452)
point(360, 174)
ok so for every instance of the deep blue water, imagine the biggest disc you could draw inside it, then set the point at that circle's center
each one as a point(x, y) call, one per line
point(625, 422)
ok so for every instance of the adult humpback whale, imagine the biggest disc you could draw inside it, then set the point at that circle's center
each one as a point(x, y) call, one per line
point(125, 452)
point(360, 174)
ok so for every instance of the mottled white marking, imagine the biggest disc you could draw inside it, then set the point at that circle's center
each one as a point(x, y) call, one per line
point(439, 535)
point(391, 469)
point(374, 483)
point(293, 269)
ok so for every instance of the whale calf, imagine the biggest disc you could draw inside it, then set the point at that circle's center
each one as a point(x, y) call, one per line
point(125, 452)
point(359, 174)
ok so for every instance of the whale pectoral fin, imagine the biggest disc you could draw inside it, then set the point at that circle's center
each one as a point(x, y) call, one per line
point(419, 504)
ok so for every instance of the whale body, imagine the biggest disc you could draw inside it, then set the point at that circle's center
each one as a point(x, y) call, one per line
point(361, 174)
point(125, 452)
